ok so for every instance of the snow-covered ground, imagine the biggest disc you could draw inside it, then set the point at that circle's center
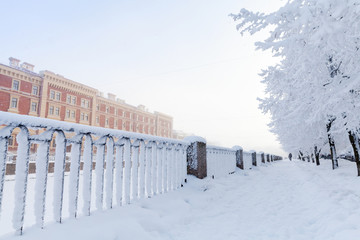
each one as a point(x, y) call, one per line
point(283, 200)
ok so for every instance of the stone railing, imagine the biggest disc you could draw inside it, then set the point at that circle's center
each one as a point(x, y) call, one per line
point(214, 161)
point(117, 167)
point(220, 161)
point(128, 166)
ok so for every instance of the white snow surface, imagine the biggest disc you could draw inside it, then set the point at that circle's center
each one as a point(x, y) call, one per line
point(282, 200)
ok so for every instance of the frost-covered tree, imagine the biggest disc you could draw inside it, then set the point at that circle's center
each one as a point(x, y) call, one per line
point(314, 90)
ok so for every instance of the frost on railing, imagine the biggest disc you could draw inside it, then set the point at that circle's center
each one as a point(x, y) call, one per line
point(128, 166)
point(220, 161)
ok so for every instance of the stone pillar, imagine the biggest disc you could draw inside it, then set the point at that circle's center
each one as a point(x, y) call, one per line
point(196, 157)
point(268, 157)
point(253, 157)
point(262, 157)
point(239, 157)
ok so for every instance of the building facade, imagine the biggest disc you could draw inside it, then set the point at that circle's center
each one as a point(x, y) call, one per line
point(50, 95)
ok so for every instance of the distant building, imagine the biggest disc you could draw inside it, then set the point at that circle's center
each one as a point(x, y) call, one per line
point(50, 95)
point(180, 135)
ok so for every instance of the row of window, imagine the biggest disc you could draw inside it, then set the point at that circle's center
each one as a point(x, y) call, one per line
point(54, 111)
point(84, 117)
point(55, 95)
point(15, 102)
point(123, 125)
point(70, 114)
point(123, 114)
point(69, 99)
point(16, 87)
point(164, 124)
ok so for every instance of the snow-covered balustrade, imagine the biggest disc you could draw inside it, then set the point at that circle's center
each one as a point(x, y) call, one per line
point(258, 158)
point(128, 166)
point(248, 159)
point(220, 161)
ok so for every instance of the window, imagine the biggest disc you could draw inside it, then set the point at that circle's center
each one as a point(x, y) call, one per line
point(57, 111)
point(107, 109)
point(74, 100)
point(11, 141)
point(97, 107)
point(58, 96)
point(68, 99)
point(82, 116)
point(106, 122)
point(82, 102)
point(68, 113)
point(97, 120)
point(87, 104)
point(73, 114)
point(86, 117)
point(35, 90)
point(14, 103)
point(15, 85)
point(33, 106)
point(51, 110)
point(52, 94)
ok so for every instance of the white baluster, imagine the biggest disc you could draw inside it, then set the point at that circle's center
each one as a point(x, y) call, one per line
point(74, 178)
point(134, 170)
point(154, 167)
point(127, 171)
point(159, 169)
point(99, 171)
point(119, 174)
point(166, 166)
point(59, 170)
point(22, 171)
point(142, 170)
point(3, 153)
point(42, 166)
point(87, 174)
point(109, 174)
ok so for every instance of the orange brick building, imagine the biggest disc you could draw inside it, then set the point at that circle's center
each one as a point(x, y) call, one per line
point(51, 95)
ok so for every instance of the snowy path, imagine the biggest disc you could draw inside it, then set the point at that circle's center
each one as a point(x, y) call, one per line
point(287, 200)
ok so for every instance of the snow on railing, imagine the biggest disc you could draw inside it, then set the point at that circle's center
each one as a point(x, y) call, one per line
point(248, 159)
point(220, 161)
point(131, 165)
point(258, 158)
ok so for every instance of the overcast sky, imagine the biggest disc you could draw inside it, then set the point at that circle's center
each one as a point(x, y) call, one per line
point(180, 57)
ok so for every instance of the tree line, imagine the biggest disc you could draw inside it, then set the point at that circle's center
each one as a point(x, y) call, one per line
point(312, 92)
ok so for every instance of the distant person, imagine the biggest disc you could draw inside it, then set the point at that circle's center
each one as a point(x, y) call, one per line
point(290, 156)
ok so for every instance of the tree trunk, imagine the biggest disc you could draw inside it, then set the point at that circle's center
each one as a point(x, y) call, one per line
point(334, 160)
point(354, 140)
point(317, 155)
point(301, 156)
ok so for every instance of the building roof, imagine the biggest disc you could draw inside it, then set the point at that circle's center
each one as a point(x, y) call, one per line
point(23, 70)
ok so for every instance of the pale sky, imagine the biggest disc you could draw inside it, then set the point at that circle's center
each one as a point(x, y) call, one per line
point(180, 57)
